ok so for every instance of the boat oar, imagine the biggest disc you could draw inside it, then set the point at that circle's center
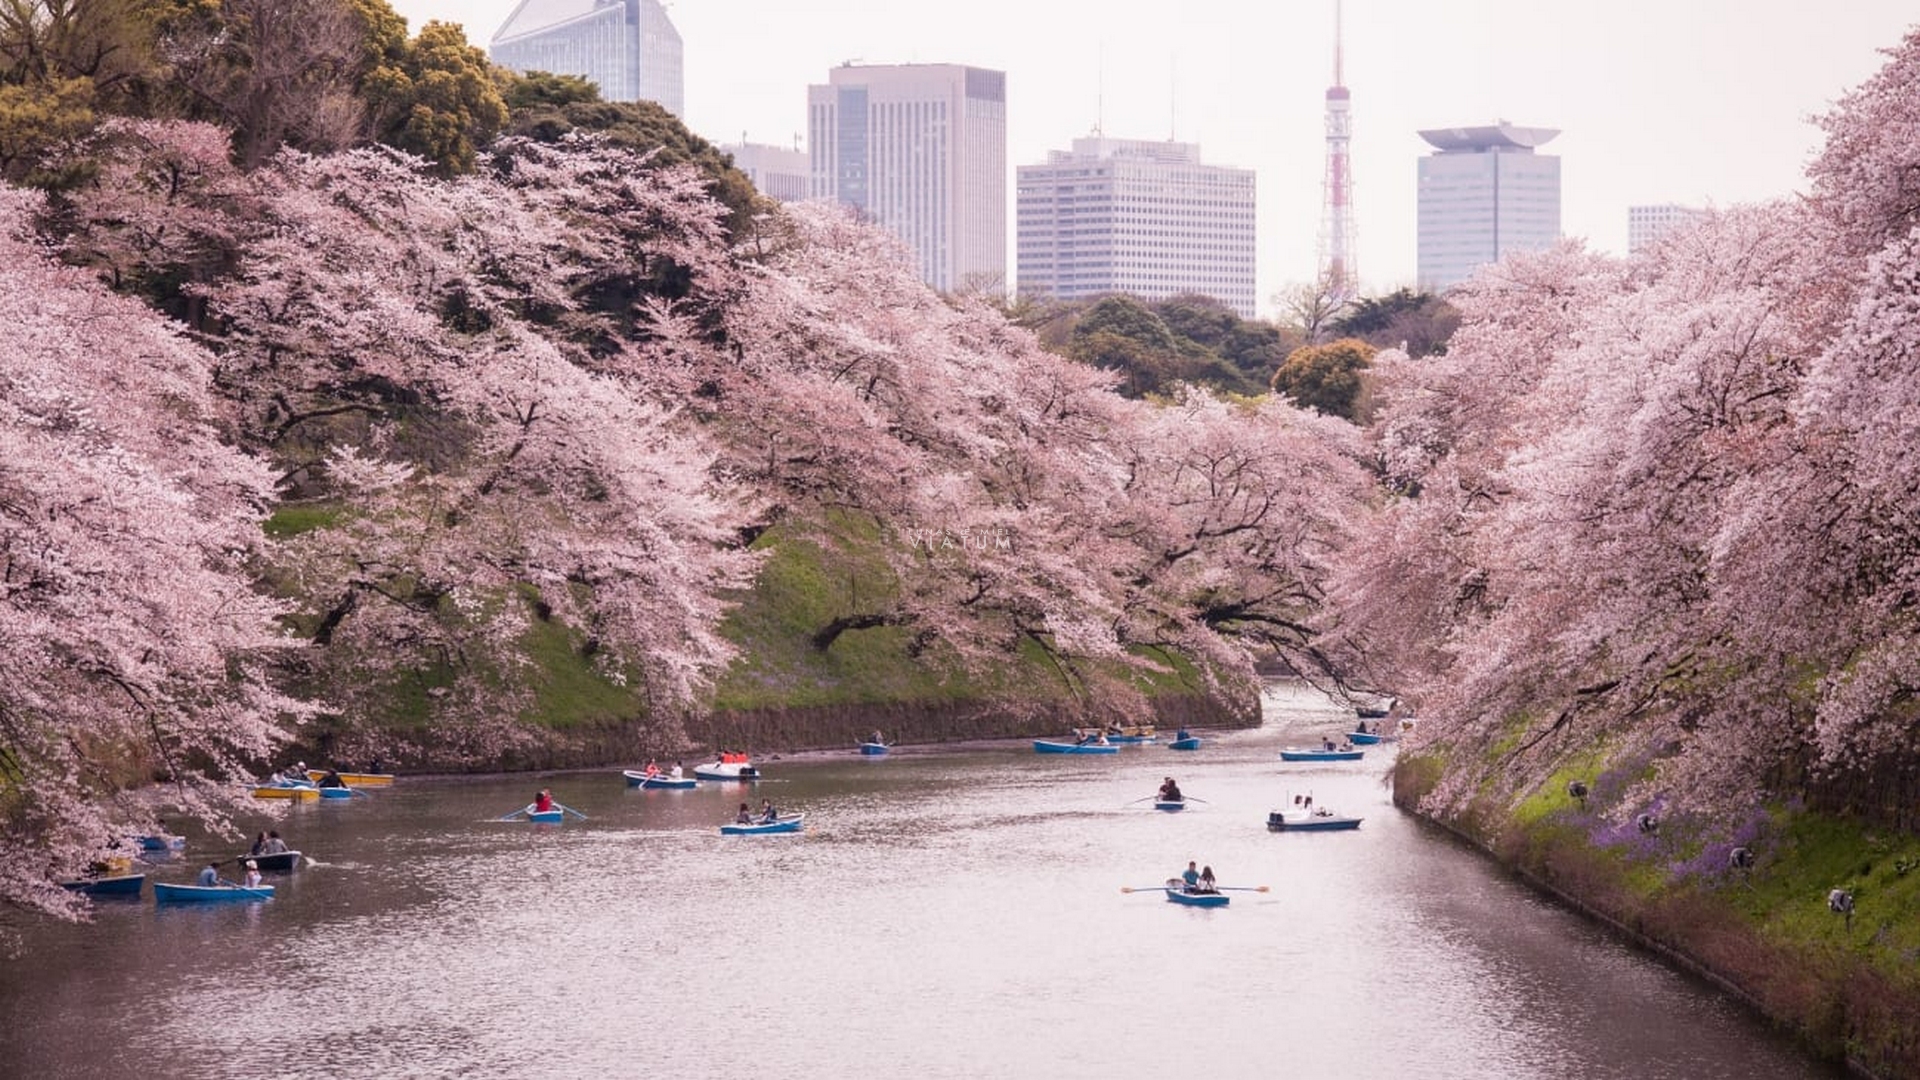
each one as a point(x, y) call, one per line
point(1196, 798)
point(570, 810)
point(511, 816)
point(1241, 888)
point(1142, 798)
point(1146, 888)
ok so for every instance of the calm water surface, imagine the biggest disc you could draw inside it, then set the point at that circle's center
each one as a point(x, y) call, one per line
point(946, 914)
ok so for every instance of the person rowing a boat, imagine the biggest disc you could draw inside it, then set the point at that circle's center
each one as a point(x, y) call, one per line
point(1191, 876)
point(210, 877)
point(1170, 791)
point(332, 779)
point(542, 801)
point(768, 815)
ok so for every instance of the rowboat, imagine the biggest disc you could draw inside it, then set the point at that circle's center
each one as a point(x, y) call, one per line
point(1363, 738)
point(162, 843)
point(122, 885)
point(726, 770)
point(1294, 753)
point(1191, 742)
point(164, 893)
point(1177, 893)
point(286, 791)
point(1170, 804)
point(874, 749)
point(335, 792)
point(546, 817)
point(1303, 820)
point(785, 823)
point(355, 779)
point(1045, 746)
point(278, 861)
point(658, 780)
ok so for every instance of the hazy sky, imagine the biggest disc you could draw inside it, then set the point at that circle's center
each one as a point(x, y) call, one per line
point(1689, 101)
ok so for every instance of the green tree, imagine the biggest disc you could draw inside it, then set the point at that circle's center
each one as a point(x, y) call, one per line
point(1328, 378)
point(1122, 334)
point(1420, 323)
point(36, 117)
point(436, 96)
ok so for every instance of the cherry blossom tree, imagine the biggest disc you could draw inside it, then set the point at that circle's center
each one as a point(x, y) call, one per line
point(134, 641)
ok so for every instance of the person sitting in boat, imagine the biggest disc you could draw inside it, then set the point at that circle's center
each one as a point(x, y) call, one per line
point(674, 773)
point(274, 845)
point(1191, 876)
point(1170, 791)
point(745, 816)
point(653, 768)
point(1183, 734)
point(1361, 727)
point(876, 739)
point(1327, 743)
point(332, 779)
point(542, 801)
point(768, 814)
point(253, 874)
point(1206, 881)
point(259, 845)
point(209, 877)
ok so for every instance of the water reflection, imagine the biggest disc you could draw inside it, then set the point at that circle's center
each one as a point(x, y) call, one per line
point(946, 914)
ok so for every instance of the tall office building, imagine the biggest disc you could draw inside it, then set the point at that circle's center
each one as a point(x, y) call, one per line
point(628, 48)
point(1138, 217)
point(778, 172)
point(1645, 224)
point(920, 149)
point(1484, 192)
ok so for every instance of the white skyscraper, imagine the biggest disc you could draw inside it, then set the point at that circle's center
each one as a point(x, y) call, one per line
point(628, 48)
point(778, 172)
point(1484, 193)
point(1645, 224)
point(920, 149)
point(1139, 217)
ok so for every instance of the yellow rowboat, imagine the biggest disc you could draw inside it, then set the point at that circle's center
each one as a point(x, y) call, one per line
point(354, 779)
point(267, 791)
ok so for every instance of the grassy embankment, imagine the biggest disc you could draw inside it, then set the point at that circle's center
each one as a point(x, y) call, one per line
point(781, 693)
point(1848, 987)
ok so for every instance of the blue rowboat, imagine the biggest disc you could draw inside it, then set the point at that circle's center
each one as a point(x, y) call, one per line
point(657, 780)
point(1170, 804)
point(123, 885)
point(1292, 753)
point(164, 893)
point(547, 817)
point(786, 823)
point(162, 843)
point(1191, 742)
point(874, 749)
point(278, 861)
point(1178, 894)
point(1130, 740)
point(1363, 738)
point(1046, 746)
point(336, 793)
point(1299, 820)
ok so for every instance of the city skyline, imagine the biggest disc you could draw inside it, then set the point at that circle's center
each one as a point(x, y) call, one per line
point(1701, 104)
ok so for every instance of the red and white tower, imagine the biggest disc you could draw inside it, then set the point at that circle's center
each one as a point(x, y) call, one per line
point(1338, 265)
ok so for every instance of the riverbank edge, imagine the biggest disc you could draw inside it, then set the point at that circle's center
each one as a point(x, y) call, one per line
point(1503, 844)
point(780, 730)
